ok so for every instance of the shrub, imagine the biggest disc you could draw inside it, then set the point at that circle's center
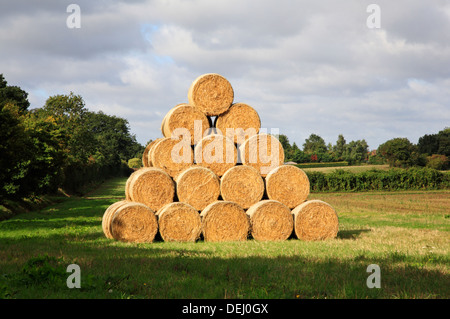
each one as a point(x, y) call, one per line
point(135, 163)
point(439, 162)
point(394, 179)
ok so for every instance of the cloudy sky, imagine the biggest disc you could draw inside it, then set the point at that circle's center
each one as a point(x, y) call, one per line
point(305, 66)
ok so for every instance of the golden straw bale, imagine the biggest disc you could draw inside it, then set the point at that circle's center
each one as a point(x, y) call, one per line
point(239, 123)
point(270, 220)
point(179, 221)
point(262, 151)
point(129, 180)
point(189, 117)
point(151, 186)
point(107, 217)
point(211, 93)
point(243, 185)
point(287, 184)
point(146, 160)
point(216, 152)
point(224, 221)
point(172, 155)
point(315, 220)
point(198, 186)
point(134, 222)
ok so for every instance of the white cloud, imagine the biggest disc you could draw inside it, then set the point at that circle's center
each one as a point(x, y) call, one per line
point(306, 66)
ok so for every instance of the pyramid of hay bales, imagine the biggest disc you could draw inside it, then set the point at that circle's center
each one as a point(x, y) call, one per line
point(214, 175)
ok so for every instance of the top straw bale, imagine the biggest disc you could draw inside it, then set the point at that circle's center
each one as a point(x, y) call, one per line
point(211, 93)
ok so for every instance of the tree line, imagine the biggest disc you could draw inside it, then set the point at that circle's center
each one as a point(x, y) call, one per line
point(60, 145)
point(432, 150)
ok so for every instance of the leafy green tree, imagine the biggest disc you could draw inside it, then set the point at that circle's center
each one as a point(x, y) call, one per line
point(46, 142)
point(300, 156)
point(314, 144)
point(14, 151)
point(428, 144)
point(355, 152)
point(112, 138)
point(13, 94)
point(439, 143)
point(284, 140)
point(339, 148)
point(69, 112)
point(444, 142)
point(399, 152)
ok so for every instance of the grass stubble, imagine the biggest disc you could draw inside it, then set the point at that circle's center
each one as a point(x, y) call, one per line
point(405, 233)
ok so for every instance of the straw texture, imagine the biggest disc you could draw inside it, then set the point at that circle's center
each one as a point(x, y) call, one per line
point(198, 186)
point(146, 160)
point(180, 222)
point(263, 151)
point(152, 187)
point(243, 185)
point(315, 220)
point(185, 116)
point(211, 93)
point(224, 221)
point(288, 184)
point(108, 215)
point(239, 122)
point(134, 222)
point(270, 221)
point(172, 155)
point(216, 152)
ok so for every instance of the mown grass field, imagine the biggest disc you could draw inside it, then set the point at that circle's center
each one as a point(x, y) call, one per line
point(352, 169)
point(406, 233)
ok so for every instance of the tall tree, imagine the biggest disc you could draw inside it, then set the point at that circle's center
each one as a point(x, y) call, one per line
point(14, 151)
point(356, 151)
point(339, 148)
point(314, 144)
point(399, 152)
point(69, 112)
point(428, 144)
point(444, 142)
point(13, 94)
point(113, 141)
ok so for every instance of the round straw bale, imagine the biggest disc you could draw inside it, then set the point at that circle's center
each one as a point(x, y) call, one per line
point(287, 184)
point(198, 186)
point(315, 220)
point(211, 93)
point(270, 220)
point(145, 155)
point(107, 217)
point(224, 221)
point(216, 152)
point(152, 187)
point(189, 117)
point(262, 151)
point(129, 180)
point(134, 222)
point(146, 161)
point(243, 185)
point(179, 221)
point(172, 155)
point(239, 123)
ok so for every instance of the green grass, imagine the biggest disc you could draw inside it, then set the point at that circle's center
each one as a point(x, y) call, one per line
point(405, 233)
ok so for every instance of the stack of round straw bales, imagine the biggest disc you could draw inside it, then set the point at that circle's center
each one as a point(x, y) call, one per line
point(214, 175)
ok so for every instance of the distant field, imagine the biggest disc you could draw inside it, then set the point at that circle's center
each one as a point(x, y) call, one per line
point(405, 233)
point(353, 169)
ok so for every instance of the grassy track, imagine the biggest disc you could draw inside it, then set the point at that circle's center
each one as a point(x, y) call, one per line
point(405, 233)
